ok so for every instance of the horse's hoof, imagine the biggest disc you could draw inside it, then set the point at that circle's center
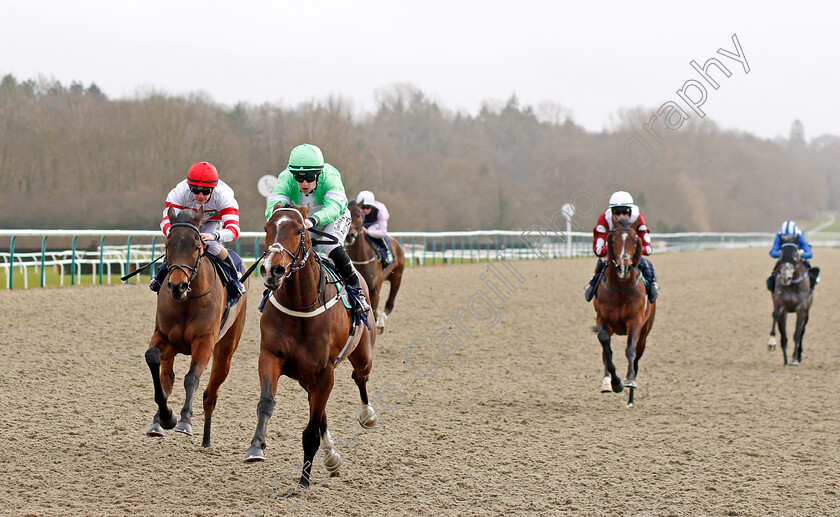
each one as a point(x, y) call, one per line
point(793, 362)
point(629, 405)
point(617, 387)
point(771, 347)
point(332, 460)
point(380, 330)
point(254, 454)
point(155, 430)
point(185, 428)
point(630, 384)
point(772, 341)
point(606, 387)
point(367, 417)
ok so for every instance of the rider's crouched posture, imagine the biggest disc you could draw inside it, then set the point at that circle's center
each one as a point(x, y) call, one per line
point(375, 215)
point(221, 215)
point(309, 181)
point(621, 203)
point(791, 231)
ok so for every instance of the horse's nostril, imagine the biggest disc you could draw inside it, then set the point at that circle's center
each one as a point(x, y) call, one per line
point(276, 270)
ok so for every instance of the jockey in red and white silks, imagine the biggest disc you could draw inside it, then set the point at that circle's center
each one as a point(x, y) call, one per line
point(621, 203)
point(221, 213)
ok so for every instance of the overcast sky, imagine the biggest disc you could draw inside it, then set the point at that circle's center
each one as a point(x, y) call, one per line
point(592, 57)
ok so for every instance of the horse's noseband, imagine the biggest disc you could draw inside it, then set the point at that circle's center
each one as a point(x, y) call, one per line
point(299, 257)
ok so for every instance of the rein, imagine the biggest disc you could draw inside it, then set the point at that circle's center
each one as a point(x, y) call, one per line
point(361, 234)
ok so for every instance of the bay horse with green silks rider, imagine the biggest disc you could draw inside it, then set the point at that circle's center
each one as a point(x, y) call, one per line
point(305, 332)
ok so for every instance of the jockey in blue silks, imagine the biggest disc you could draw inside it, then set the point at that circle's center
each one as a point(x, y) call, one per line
point(789, 228)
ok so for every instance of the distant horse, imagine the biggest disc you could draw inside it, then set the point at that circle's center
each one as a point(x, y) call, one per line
point(622, 306)
point(792, 293)
point(366, 261)
point(188, 322)
point(305, 333)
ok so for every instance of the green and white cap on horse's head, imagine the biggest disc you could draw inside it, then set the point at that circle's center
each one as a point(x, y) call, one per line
point(306, 160)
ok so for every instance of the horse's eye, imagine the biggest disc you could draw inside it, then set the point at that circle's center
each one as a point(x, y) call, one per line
point(300, 232)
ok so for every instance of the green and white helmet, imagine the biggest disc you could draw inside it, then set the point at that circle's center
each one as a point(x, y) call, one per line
point(306, 161)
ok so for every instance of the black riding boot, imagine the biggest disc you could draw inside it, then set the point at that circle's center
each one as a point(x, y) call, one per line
point(235, 278)
point(813, 275)
point(157, 281)
point(771, 282)
point(647, 272)
point(351, 279)
point(590, 289)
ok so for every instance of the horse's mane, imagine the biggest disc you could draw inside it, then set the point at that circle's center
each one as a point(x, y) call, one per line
point(789, 252)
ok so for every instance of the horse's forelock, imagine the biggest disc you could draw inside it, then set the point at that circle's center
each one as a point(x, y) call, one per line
point(186, 216)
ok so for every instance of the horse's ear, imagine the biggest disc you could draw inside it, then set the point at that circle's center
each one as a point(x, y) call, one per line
point(351, 204)
point(199, 215)
point(304, 210)
point(170, 213)
point(637, 255)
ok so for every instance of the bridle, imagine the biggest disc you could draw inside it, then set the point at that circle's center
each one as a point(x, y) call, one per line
point(623, 256)
point(299, 259)
point(792, 263)
point(190, 271)
point(353, 237)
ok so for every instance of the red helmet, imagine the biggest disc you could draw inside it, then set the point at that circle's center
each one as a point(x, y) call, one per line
point(203, 174)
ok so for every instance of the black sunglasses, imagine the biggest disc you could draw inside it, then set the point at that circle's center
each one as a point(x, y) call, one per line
point(621, 210)
point(365, 207)
point(310, 178)
point(199, 190)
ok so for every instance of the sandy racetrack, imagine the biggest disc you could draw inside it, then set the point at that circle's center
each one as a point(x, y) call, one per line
point(513, 423)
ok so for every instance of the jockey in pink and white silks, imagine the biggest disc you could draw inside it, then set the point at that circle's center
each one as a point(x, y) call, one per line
point(621, 203)
point(220, 224)
point(375, 216)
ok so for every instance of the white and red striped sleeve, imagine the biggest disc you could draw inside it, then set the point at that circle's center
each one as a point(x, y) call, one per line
point(644, 234)
point(230, 223)
point(599, 236)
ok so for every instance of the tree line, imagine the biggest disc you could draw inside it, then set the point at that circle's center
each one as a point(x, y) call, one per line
point(70, 157)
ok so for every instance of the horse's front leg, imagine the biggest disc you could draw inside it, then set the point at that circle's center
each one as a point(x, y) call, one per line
point(201, 351)
point(609, 367)
point(801, 321)
point(632, 339)
point(781, 320)
point(771, 343)
point(270, 367)
point(312, 435)
point(161, 352)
